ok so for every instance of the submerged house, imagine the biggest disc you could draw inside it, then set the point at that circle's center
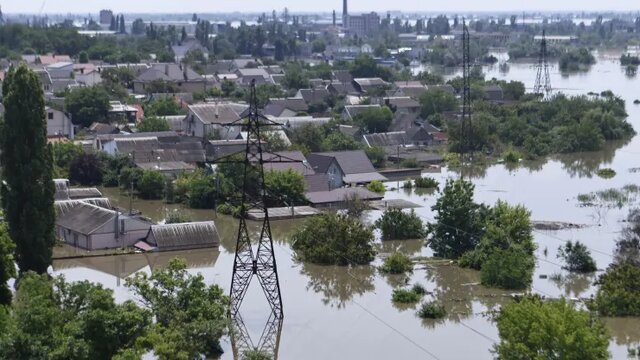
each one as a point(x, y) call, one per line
point(192, 235)
point(345, 167)
point(92, 227)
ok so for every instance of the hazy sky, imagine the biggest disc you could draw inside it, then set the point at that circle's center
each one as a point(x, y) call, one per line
point(211, 6)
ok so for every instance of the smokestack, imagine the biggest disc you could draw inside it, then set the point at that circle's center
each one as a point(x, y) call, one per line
point(166, 69)
point(344, 8)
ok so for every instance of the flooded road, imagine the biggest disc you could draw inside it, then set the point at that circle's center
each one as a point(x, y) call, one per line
point(347, 313)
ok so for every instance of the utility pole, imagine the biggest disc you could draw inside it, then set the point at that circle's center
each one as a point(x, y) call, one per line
point(465, 123)
point(543, 80)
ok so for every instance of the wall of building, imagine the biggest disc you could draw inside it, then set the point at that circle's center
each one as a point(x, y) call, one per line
point(58, 124)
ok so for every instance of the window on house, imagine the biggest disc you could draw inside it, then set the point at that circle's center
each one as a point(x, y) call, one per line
point(50, 116)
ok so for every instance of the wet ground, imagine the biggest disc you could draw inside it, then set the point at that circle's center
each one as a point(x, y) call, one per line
point(347, 313)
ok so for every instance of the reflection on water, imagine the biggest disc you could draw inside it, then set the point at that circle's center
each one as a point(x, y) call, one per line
point(338, 285)
point(574, 285)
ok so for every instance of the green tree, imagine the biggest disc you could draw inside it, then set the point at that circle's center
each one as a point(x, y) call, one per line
point(377, 156)
point(437, 101)
point(86, 169)
point(334, 239)
point(577, 257)
point(309, 135)
point(87, 105)
point(285, 188)
point(510, 268)
point(375, 120)
point(295, 78)
point(27, 176)
point(191, 316)
point(618, 293)
point(152, 124)
point(531, 328)
point(459, 221)
point(163, 107)
point(396, 224)
point(397, 263)
point(7, 267)
point(364, 66)
point(63, 154)
point(151, 185)
point(83, 57)
point(337, 141)
point(377, 187)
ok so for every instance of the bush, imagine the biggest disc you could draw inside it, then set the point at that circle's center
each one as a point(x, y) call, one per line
point(354, 205)
point(531, 328)
point(226, 209)
point(606, 173)
point(511, 156)
point(397, 263)
point(418, 289)
point(86, 169)
point(398, 225)
point(410, 163)
point(426, 183)
point(510, 269)
point(405, 296)
point(619, 291)
point(376, 187)
point(151, 185)
point(176, 217)
point(153, 124)
point(577, 257)
point(334, 239)
point(407, 184)
point(432, 310)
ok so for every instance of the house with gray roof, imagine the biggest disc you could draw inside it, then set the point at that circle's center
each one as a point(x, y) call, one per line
point(313, 96)
point(350, 112)
point(178, 75)
point(286, 107)
point(337, 198)
point(183, 236)
point(344, 167)
point(368, 85)
point(93, 227)
point(246, 76)
point(207, 119)
point(181, 50)
point(402, 104)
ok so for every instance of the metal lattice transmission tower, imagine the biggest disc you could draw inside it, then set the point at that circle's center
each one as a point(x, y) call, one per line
point(465, 123)
point(254, 258)
point(543, 80)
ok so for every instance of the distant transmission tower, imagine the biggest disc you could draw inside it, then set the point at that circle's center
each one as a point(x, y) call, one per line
point(543, 80)
point(465, 124)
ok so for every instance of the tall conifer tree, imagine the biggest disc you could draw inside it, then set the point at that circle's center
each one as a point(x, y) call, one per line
point(28, 190)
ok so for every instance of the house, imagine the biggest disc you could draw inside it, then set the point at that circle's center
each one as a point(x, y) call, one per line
point(179, 76)
point(350, 112)
point(98, 128)
point(285, 160)
point(46, 60)
point(494, 93)
point(402, 104)
point(369, 85)
point(183, 236)
point(247, 75)
point(45, 80)
point(62, 85)
point(270, 135)
point(412, 89)
point(92, 227)
point(243, 63)
point(58, 123)
point(208, 119)
point(344, 167)
point(109, 142)
point(342, 89)
point(119, 110)
point(294, 122)
point(60, 70)
point(87, 74)
point(392, 138)
point(216, 149)
point(183, 49)
point(351, 131)
point(313, 96)
point(448, 88)
point(286, 107)
point(336, 198)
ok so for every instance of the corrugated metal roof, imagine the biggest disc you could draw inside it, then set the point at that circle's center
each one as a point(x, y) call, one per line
point(184, 235)
point(84, 193)
point(85, 218)
point(351, 162)
point(339, 195)
point(218, 112)
point(63, 206)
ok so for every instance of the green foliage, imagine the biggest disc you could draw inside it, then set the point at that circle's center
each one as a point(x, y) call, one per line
point(459, 221)
point(337, 141)
point(426, 183)
point(398, 225)
point(87, 105)
point(191, 316)
point(577, 257)
point(535, 329)
point(7, 267)
point(405, 296)
point(53, 319)
point(256, 354)
point(377, 187)
point(432, 310)
point(511, 156)
point(285, 188)
point(377, 156)
point(177, 216)
point(196, 189)
point(165, 106)
point(63, 154)
point(436, 102)
point(618, 292)
point(606, 173)
point(151, 185)
point(374, 120)
point(576, 60)
point(333, 239)
point(628, 59)
point(410, 163)
point(508, 269)
point(364, 66)
point(310, 136)
point(153, 124)
point(295, 77)
point(407, 185)
point(86, 169)
point(397, 263)
point(27, 171)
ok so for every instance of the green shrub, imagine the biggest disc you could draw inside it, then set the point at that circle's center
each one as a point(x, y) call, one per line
point(511, 156)
point(176, 217)
point(407, 184)
point(405, 296)
point(397, 263)
point(606, 173)
point(577, 257)
point(151, 185)
point(619, 291)
point(226, 209)
point(418, 289)
point(432, 310)
point(398, 225)
point(426, 183)
point(510, 269)
point(410, 163)
point(376, 187)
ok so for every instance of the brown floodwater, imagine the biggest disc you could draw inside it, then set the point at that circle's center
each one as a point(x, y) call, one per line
point(346, 312)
